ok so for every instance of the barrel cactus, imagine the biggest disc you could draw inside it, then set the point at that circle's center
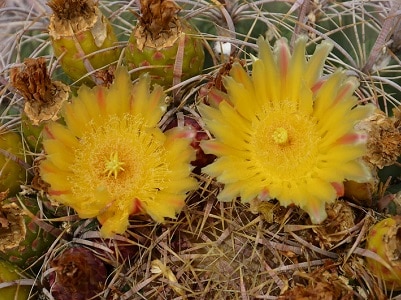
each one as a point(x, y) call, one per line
point(385, 240)
point(82, 38)
point(164, 45)
point(12, 162)
point(8, 273)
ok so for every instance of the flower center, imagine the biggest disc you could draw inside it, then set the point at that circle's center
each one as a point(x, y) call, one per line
point(113, 165)
point(280, 136)
point(285, 143)
point(122, 156)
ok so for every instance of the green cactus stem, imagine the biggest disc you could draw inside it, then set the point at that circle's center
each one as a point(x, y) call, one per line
point(8, 273)
point(164, 45)
point(83, 39)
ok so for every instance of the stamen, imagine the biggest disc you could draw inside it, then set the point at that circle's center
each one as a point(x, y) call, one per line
point(280, 136)
point(113, 165)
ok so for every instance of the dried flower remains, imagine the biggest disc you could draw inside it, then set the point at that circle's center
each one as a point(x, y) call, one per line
point(43, 96)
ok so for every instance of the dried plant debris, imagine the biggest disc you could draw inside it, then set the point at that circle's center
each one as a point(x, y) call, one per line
point(158, 17)
point(13, 228)
point(37, 182)
point(78, 274)
point(219, 252)
point(384, 139)
point(336, 228)
point(4, 223)
point(22, 239)
point(74, 9)
point(323, 283)
point(43, 97)
point(83, 39)
point(224, 251)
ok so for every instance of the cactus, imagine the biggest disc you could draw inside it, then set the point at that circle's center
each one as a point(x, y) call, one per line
point(82, 38)
point(9, 272)
point(13, 169)
point(32, 134)
point(164, 45)
point(385, 240)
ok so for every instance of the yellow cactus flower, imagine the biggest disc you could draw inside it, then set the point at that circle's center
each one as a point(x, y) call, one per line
point(112, 160)
point(286, 132)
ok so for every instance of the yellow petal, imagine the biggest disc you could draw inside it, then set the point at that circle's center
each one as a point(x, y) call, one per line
point(118, 96)
point(115, 224)
point(316, 209)
point(262, 89)
point(220, 149)
point(58, 155)
point(306, 101)
point(295, 77)
point(166, 206)
point(242, 98)
point(239, 75)
point(324, 98)
point(314, 66)
point(64, 135)
point(271, 75)
point(150, 105)
point(229, 193)
point(91, 207)
point(283, 56)
point(76, 115)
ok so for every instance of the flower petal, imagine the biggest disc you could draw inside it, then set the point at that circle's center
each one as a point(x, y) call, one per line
point(296, 141)
point(314, 66)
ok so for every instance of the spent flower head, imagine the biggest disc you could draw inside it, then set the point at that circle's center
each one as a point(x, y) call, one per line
point(111, 160)
point(286, 132)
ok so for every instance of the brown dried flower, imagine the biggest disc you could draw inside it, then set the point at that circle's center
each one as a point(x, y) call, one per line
point(336, 228)
point(12, 226)
point(80, 275)
point(158, 15)
point(159, 26)
point(323, 283)
point(43, 97)
point(75, 9)
point(384, 142)
point(37, 182)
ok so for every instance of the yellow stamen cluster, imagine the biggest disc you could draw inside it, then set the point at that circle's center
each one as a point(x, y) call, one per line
point(113, 165)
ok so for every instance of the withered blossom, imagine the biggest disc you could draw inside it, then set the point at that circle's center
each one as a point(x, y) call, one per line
point(43, 96)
